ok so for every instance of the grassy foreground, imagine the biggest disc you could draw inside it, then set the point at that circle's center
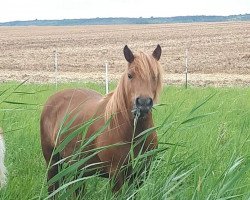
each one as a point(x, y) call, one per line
point(206, 131)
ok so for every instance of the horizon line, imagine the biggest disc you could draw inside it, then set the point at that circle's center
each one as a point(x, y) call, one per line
point(141, 17)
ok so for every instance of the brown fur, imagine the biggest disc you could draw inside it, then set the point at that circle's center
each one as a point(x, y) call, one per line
point(86, 104)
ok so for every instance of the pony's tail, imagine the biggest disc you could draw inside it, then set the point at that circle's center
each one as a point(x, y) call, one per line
point(3, 171)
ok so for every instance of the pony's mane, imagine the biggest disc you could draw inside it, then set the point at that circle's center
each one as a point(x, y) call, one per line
point(146, 67)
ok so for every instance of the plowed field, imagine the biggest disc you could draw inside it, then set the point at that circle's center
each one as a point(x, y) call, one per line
point(218, 53)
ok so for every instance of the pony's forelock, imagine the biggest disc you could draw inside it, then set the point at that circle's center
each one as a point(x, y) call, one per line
point(145, 66)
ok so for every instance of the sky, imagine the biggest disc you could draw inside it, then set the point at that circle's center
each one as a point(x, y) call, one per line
point(11, 10)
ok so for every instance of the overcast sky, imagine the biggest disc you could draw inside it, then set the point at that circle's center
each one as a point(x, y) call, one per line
point(11, 10)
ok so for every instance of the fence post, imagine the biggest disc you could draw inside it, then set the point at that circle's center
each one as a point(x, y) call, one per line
point(106, 77)
point(186, 71)
point(56, 66)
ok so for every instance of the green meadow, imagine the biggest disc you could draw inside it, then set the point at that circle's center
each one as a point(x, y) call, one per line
point(204, 131)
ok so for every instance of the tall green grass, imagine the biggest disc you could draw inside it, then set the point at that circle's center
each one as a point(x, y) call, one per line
point(206, 132)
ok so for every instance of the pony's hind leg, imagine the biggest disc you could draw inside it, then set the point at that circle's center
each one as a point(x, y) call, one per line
point(52, 171)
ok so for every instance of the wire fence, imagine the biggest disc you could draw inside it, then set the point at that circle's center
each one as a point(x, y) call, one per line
point(222, 55)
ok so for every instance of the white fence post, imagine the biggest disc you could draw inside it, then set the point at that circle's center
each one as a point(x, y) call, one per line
point(56, 67)
point(106, 77)
point(186, 71)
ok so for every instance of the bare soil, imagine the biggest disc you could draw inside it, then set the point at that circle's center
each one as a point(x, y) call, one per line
point(218, 53)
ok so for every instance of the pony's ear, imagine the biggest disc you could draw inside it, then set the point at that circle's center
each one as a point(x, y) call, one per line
point(128, 54)
point(157, 52)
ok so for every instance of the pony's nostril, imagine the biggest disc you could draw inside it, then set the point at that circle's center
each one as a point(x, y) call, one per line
point(137, 103)
point(149, 102)
point(140, 101)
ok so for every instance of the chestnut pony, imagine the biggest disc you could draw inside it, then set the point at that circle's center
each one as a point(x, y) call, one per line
point(133, 97)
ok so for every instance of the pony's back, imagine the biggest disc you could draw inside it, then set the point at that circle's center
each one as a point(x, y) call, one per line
point(3, 170)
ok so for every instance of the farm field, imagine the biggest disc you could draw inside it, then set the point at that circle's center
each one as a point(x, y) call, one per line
point(205, 129)
point(218, 53)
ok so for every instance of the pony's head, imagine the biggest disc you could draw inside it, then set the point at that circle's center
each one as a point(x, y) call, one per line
point(143, 79)
point(139, 86)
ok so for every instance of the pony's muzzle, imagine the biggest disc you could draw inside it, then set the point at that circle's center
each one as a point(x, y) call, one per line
point(144, 105)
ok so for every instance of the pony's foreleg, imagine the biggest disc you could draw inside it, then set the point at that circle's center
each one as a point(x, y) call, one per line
point(118, 178)
point(118, 183)
point(80, 191)
point(3, 171)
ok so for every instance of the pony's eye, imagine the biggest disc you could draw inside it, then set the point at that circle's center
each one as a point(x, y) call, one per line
point(130, 76)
